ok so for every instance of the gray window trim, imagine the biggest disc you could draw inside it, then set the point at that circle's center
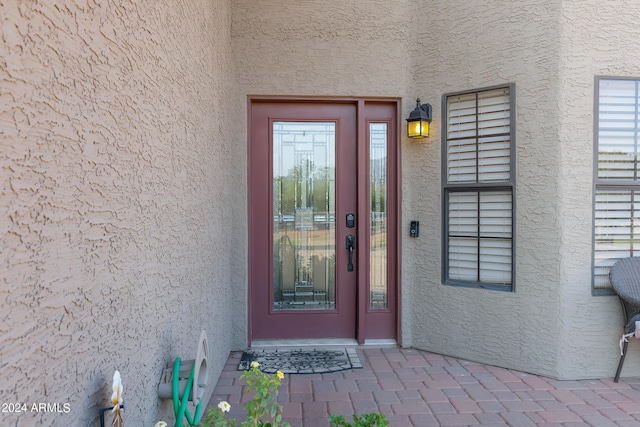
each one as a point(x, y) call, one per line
point(446, 189)
point(598, 184)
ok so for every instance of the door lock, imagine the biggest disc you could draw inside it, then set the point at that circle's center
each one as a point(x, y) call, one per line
point(351, 245)
point(351, 220)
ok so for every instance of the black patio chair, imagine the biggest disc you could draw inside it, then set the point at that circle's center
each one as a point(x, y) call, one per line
point(625, 280)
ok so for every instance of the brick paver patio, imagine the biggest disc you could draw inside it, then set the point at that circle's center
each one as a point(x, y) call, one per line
point(417, 388)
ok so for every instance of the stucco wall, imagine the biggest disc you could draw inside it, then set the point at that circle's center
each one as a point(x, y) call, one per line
point(476, 45)
point(115, 187)
point(320, 48)
point(551, 50)
point(598, 40)
point(408, 50)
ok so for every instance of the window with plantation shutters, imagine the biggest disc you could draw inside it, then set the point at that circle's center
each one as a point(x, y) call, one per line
point(617, 184)
point(478, 183)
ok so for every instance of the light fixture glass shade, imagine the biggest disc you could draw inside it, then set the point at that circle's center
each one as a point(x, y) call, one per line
point(418, 121)
point(418, 129)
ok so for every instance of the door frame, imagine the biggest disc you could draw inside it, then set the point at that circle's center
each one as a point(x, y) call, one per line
point(363, 314)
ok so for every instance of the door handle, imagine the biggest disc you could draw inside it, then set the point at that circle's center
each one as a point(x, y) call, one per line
point(351, 245)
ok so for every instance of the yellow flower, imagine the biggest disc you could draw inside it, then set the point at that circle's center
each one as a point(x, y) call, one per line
point(254, 364)
point(224, 406)
point(161, 424)
point(280, 375)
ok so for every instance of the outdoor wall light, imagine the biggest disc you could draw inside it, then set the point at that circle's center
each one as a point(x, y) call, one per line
point(418, 121)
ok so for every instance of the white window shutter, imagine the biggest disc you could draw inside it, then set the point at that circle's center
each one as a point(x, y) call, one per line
point(479, 220)
point(617, 196)
point(479, 137)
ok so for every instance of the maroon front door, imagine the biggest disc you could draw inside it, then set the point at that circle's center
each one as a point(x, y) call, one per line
point(319, 221)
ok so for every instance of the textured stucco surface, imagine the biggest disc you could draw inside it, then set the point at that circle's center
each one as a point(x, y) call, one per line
point(476, 45)
point(599, 39)
point(551, 50)
point(320, 48)
point(123, 179)
point(116, 187)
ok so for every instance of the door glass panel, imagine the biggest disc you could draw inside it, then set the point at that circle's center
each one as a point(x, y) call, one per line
point(378, 215)
point(304, 255)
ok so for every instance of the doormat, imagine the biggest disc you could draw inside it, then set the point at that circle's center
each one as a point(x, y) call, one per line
point(301, 361)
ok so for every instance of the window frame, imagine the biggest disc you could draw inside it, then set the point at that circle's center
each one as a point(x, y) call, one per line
point(480, 187)
point(599, 184)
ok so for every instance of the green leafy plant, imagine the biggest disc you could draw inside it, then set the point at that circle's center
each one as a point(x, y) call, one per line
point(366, 420)
point(263, 410)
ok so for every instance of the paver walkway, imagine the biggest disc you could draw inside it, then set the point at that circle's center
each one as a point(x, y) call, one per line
point(417, 388)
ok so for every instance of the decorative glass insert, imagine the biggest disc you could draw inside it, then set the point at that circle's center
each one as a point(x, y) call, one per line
point(378, 286)
point(304, 163)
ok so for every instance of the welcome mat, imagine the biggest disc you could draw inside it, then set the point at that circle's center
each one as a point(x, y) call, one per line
point(301, 361)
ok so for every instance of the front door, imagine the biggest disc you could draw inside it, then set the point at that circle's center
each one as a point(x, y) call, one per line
point(319, 220)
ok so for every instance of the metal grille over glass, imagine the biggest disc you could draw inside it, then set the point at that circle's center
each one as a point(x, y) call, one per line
point(378, 215)
point(304, 255)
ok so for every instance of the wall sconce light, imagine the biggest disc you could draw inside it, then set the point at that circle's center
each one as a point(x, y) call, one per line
point(418, 121)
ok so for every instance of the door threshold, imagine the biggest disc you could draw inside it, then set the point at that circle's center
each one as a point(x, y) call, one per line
point(380, 343)
point(324, 342)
